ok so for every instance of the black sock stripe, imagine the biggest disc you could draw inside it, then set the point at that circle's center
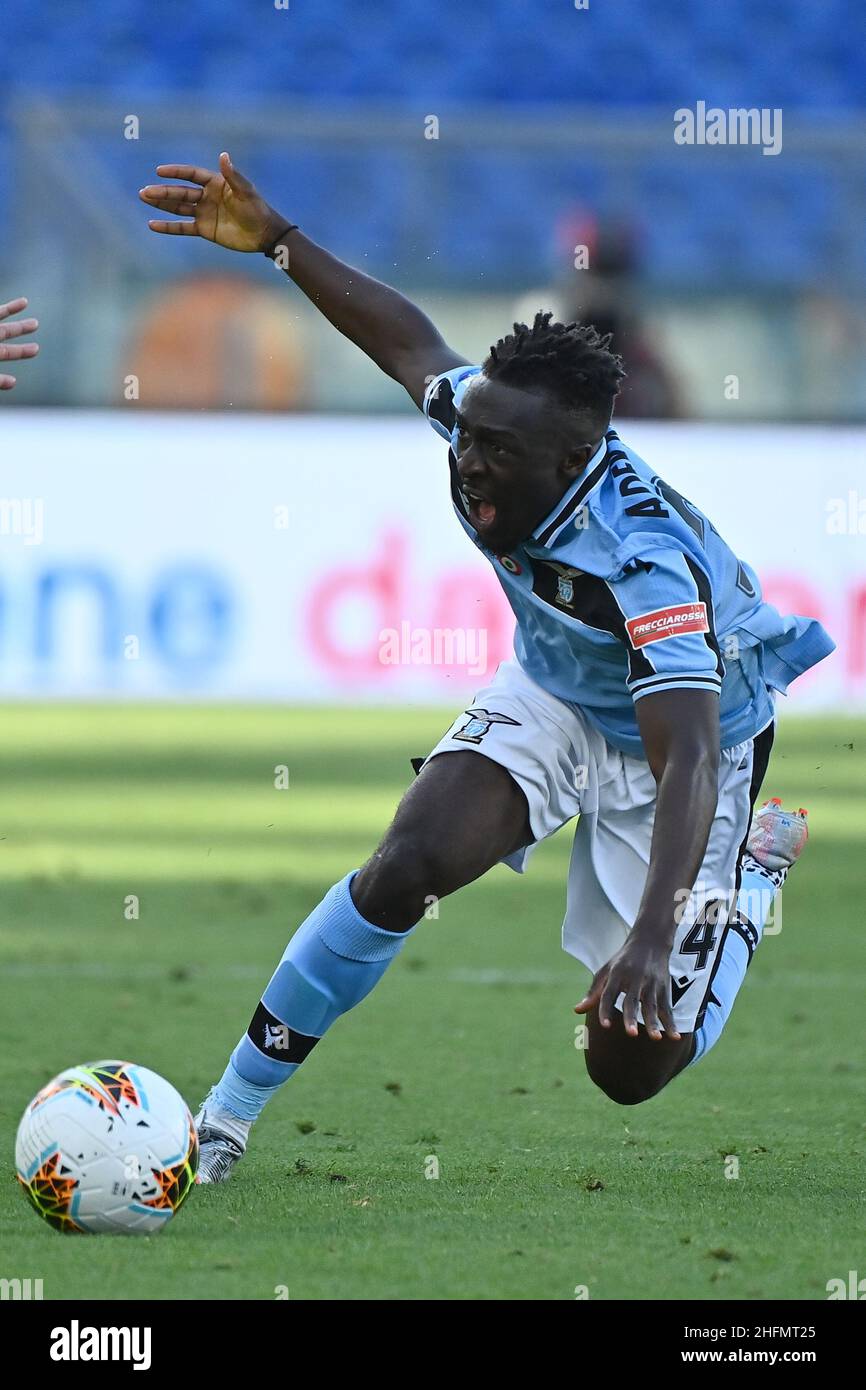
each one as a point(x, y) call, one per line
point(275, 1039)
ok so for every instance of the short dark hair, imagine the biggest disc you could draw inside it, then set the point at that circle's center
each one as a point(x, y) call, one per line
point(571, 361)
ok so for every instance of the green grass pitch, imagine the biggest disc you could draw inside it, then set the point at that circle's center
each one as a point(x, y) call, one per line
point(464, 1053)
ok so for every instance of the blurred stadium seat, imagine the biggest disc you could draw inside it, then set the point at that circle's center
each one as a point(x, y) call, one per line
point(790, 53)
point(546, 114)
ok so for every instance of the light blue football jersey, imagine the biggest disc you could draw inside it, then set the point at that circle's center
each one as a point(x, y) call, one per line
point(626, 589)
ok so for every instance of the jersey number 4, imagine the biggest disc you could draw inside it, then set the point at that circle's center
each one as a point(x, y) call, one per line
point(701, 937)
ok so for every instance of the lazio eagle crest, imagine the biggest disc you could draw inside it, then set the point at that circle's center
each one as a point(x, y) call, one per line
point(480, 723)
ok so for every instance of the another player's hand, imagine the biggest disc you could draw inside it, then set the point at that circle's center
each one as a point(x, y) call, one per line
point(19, 351)
point(641, 972)
point(224, 207)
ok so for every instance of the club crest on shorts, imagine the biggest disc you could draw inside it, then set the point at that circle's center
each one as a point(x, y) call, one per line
point(480, 723)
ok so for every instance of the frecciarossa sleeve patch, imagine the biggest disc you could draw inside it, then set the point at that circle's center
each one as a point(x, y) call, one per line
point(667, 622)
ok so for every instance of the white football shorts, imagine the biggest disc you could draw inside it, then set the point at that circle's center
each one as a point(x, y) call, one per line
point(566, 768)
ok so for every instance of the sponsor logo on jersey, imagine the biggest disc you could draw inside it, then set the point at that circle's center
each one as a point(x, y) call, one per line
point(667, 622)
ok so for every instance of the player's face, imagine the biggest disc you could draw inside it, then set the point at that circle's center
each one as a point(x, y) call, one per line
point(517, 453)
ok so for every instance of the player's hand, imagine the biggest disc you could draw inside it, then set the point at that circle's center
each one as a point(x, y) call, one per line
point(19, 351)
point(224, 207)
point(640, 971)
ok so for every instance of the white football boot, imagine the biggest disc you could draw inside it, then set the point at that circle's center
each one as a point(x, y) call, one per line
point(222, 1139)
point(777, 839)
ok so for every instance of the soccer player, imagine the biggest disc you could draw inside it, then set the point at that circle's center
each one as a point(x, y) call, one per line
point(15, 330)
point(640, 699)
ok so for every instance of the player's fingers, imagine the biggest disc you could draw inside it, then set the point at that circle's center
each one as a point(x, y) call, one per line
point(13, 307)
point(629, 1012)
point(180, 209)
point(6, 382)
point(593, 994)
point(607, 1003)
point(236, 181)
point(192, 172)
point(178, 205)
point(667, 1018)
point(174, 228)
point(18, 353)
point(17, 330)
point(650, 1014)
point(162, 193)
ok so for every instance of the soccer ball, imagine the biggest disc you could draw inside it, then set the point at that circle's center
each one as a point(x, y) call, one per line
point(107, 1147)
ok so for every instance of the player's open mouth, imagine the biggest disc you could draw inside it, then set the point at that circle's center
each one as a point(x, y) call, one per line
point(482, 513)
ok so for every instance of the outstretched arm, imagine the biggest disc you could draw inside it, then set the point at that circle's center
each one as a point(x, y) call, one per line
point(680, 734)
point(19, 351)
point(224, 207)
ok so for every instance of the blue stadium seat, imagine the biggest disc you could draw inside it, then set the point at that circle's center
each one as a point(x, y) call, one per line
point(458, 214)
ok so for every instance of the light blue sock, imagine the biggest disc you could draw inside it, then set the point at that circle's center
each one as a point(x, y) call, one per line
point(758, 888)
point(331, 963)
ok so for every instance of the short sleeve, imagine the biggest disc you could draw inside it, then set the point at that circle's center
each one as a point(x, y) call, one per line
point(443, 395)
point(669, 625)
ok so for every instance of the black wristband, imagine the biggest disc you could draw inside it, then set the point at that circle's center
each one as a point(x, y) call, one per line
point(271, 251)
